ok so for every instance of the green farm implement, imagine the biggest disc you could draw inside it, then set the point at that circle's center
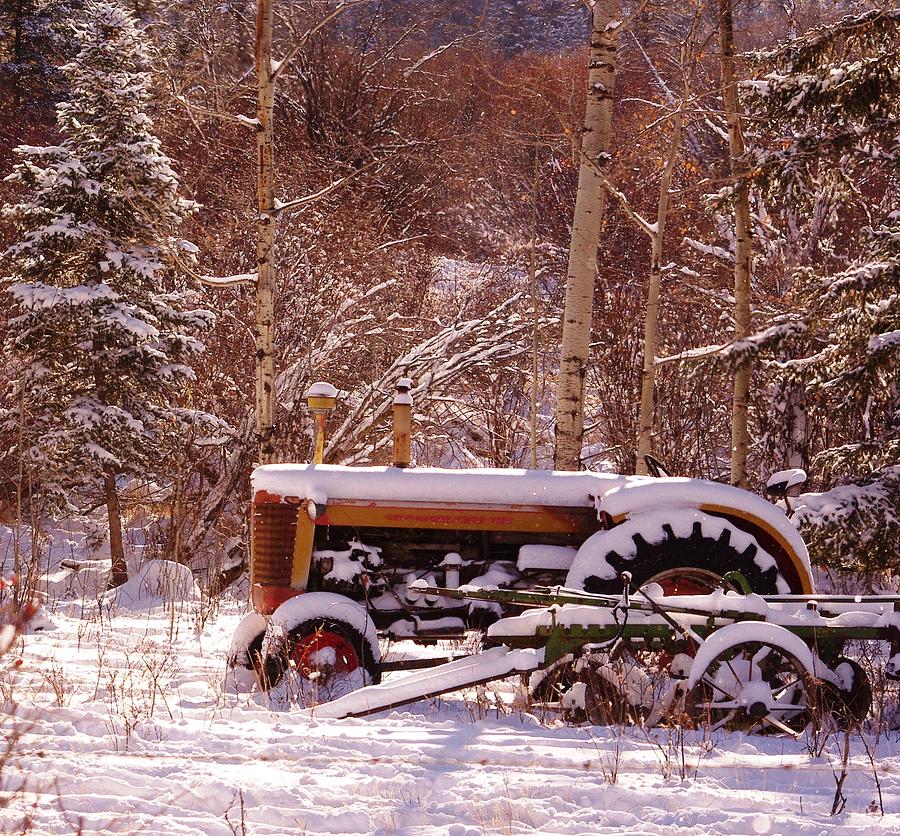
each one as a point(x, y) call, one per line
point(728, 658)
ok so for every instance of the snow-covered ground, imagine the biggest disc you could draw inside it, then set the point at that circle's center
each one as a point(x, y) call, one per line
point(118, 721)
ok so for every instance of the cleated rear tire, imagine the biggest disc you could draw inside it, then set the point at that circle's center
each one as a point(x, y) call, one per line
point(681, 565)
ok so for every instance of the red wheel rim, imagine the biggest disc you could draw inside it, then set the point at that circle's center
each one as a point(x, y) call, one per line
point(686, 581)
point(307, 649)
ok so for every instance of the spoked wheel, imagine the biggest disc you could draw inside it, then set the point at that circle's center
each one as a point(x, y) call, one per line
point(637, 683)
point(755, 686)
point(547, 685)
point(848, 703)
point(632, 685)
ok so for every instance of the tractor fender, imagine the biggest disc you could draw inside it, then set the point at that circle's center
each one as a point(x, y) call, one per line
point(765, 522)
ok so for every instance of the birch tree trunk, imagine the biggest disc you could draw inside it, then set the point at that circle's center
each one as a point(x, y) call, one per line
point(532, 279)
point(651, 314)
point(265, 247)
point(590, 206)
point(740, 441)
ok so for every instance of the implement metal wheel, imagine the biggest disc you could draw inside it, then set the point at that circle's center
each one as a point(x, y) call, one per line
point(754, 686)
point(847, 703)
point(631, 684)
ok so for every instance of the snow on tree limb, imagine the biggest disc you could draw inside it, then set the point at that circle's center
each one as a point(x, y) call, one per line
point(239, 118)
point(421, 62)
point(735, 350)
point(433, 363)
point(286, 206)
point(719, 253)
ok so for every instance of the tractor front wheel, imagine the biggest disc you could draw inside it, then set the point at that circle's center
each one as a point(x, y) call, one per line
point(319, 647)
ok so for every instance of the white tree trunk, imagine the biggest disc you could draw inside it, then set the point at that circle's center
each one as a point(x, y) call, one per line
point(532, 277)
point(743, 246)
point(265, 247)
point(651, 314)
point(590, 206)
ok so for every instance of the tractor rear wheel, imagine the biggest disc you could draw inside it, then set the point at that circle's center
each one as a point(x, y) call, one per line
point(682, 563)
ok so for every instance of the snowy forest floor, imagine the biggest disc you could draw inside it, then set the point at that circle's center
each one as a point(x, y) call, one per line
point(117, 720)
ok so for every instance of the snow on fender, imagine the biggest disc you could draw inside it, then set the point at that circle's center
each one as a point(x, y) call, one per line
point(240, 675)
point(322, 605)
point(734, 635)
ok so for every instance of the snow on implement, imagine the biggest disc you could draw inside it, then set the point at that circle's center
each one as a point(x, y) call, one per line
point(340, 556)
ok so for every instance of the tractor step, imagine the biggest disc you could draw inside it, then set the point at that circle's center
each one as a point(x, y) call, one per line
point(496, 663)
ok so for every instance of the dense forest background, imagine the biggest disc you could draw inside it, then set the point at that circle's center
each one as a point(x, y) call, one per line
point(443, 254)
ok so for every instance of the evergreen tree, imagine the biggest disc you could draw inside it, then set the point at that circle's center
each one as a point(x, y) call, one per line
point(831, 108)
point(31, 46)
point(100, 329)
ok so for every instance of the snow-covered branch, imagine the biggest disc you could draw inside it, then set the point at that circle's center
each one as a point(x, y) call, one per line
point(296, 203)
point(433, 363)
point(240, 119)
point(216, 281)
point(735, 349)
point(718, 253)
point(409, 71)
point(228, 281)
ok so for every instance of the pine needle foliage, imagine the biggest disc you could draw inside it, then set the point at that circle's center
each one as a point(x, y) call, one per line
point(30, 43)
point(832, 98)
point(830, 117)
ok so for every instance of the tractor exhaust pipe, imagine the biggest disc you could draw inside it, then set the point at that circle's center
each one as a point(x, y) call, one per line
point(402, 423)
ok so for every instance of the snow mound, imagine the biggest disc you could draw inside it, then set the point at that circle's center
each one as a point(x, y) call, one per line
point(41, 620)
point(157, 583)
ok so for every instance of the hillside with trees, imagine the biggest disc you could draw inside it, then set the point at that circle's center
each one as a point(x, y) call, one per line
point(432, 155)
point(450, 416)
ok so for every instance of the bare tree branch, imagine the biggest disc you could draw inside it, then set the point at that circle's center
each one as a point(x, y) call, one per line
point(278, 67)
point(311, 198)
point(608, 184)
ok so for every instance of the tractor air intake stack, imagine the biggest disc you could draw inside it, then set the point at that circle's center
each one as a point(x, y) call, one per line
point(320, 399)
point(402, 423)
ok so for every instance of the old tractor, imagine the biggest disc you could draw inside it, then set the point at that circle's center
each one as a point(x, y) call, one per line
point(343, 557)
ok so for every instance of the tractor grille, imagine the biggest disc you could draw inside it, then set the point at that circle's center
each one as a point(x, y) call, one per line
point(274, 530)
